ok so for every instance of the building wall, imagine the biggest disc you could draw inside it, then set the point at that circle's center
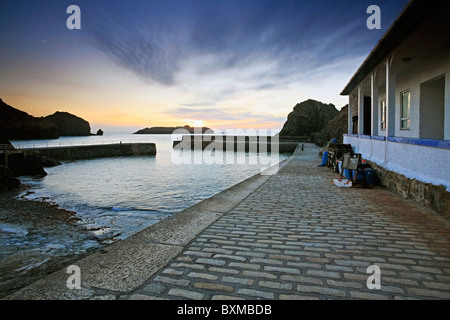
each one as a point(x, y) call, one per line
point(426, 164)
point(438, 65)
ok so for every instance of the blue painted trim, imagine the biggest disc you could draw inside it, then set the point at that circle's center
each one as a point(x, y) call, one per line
point(365, 136)
point(378, 138)
point(443, 144)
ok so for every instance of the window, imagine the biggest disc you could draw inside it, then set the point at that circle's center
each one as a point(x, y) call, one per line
point(383, 115)
point(406, 106)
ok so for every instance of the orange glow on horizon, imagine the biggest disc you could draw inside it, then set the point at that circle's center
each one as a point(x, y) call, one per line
point(127, 117)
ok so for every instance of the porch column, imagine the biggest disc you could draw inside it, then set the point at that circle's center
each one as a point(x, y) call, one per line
point(390, 98)
point(360, 110)
point(374, 95)
point(350, 115)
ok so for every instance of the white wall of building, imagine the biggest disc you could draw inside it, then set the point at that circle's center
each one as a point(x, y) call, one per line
point(426, 164)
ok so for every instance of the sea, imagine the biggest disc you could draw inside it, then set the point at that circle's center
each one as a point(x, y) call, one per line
point(117, 197)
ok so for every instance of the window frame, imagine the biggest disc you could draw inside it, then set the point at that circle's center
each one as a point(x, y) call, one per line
point(404, 118)
point(383, 115)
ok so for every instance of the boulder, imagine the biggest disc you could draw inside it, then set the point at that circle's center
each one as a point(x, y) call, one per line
point(48, 162)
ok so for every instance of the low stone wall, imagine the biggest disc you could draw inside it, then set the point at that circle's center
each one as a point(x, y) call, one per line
point(98, 151)
point(432, 196)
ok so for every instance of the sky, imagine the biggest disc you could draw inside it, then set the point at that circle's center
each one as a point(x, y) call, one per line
point(225, 64)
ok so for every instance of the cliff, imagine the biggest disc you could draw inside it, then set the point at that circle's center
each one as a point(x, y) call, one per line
point(308, 118)
point(19, 125)
point(335, 128)
point(169, 130)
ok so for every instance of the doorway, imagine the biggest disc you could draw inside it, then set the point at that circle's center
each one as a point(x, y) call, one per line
point(432, 109)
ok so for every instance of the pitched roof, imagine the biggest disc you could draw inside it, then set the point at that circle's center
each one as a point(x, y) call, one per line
point(404, 25)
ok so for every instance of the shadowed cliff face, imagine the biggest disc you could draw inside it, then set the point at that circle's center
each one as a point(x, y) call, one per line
point(19, 125)
point(335, 128)
point(308, 117)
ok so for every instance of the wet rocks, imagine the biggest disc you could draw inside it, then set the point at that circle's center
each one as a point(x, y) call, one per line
point(48, 162)
point(7, 179)
point(26, 164)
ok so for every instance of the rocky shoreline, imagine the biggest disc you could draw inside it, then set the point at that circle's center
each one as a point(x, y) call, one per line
point(38, 238)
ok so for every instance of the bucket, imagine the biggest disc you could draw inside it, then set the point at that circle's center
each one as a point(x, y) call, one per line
point(370, 176)
point(360, 175)
point(347, 174)
point(324, 159)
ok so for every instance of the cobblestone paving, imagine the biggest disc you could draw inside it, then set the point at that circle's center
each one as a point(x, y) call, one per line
point(300, 237)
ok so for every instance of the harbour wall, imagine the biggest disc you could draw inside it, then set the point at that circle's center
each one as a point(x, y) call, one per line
point(98, 151)
point(86, 152)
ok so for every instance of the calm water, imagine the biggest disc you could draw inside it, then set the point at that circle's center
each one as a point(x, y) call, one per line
point(124, 195)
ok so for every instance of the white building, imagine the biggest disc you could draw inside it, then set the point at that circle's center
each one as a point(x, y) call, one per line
point(399, 98)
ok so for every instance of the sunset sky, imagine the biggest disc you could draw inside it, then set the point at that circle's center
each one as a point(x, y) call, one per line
point(223, 63)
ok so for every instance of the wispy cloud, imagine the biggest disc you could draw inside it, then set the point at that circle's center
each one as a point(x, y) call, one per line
point(156, 41)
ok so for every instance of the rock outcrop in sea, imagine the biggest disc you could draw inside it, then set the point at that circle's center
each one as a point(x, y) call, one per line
point(308, 118)
point(169, 130)
point(69, 125)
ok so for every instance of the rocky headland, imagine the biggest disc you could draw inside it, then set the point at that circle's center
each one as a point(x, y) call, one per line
point(170, 130)
point(308, 118)
point(319, 121)
point(69, 125)
point(19, 125)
